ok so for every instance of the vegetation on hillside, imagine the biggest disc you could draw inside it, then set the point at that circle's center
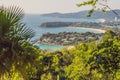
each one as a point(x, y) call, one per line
point(16, 53)
point(86, 61)
point(20, 60)
point(69, 38)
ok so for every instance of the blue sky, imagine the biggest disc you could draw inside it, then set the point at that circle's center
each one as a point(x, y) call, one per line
point(49, 6)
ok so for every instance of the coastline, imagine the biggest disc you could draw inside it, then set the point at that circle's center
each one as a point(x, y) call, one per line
point(54, 44)
point(68, 46)
point(99, 30)
point(51, 44)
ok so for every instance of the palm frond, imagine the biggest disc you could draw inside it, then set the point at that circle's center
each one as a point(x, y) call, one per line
point(4, 23)
point(22, 32)
point(14, 36)
point(14, 14)
point(10, 23)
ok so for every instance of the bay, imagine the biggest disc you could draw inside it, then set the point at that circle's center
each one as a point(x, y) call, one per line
point(34, 21)
point(49, 47)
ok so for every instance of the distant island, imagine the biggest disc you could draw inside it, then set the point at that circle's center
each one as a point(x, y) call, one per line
point(108, 15)
point(57, 24)
point(74, 24)
point(68, 38)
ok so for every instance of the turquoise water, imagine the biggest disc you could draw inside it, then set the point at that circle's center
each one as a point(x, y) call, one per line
point(34, 22)
point(49, 47)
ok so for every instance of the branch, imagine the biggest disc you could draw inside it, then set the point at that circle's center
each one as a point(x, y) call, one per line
point(110, 9)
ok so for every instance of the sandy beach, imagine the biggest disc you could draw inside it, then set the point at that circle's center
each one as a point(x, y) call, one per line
point(99, 30)
point(70, 47)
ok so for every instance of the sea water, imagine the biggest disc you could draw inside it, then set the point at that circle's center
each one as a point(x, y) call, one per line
point(34, 21)
point(48, 46)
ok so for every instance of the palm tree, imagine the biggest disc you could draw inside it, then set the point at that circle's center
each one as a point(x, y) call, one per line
point(15, 49)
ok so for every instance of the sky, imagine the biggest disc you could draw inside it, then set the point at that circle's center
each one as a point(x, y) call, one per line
point(50, 6)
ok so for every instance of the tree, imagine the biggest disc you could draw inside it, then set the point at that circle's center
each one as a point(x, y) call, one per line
point(96, 61)
point(105, 59)
point(78, 70)
point(94, 4)
point(15, 50)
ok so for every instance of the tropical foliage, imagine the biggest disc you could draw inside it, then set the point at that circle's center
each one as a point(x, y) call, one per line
point(20, 60)
point(94, 5)
point(16, 53)
point(86, 61)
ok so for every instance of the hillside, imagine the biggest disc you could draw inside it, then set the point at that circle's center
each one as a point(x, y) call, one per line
point(83, 14)
point(67, 24)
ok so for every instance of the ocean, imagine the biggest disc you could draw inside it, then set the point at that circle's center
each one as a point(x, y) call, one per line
point(34, 21)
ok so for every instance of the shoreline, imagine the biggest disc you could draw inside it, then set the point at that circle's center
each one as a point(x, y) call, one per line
point(49, 44)
point(61, 46)
point(99, 30)
point(68, 46)
point(71, 46)
point(55, 44)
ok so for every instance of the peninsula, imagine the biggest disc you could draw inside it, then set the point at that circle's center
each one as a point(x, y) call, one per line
point(78, 24)
point(69, 38)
